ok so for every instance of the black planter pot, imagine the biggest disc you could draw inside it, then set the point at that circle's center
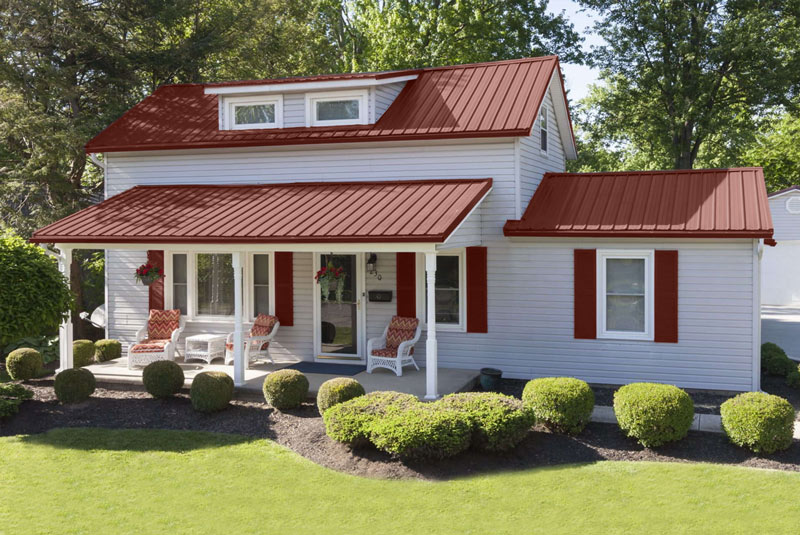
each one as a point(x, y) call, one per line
point(490, 379)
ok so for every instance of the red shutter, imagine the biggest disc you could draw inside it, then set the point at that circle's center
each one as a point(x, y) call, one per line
point(585, 293)
point(284, 288)
point(666, 296)
point(156, 289)
point(407, 284)
point(477, 314)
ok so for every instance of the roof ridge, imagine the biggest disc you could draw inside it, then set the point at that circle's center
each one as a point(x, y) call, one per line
point(400, 182)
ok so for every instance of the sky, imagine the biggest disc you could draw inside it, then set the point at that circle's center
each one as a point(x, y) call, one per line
point(578, 77)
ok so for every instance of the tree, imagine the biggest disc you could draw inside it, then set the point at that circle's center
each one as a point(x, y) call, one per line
point(683, 76)
point(777, 150)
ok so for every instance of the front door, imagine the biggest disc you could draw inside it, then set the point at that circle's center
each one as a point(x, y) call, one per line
point(339, 307)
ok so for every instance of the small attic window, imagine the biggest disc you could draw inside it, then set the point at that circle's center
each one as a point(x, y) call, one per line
point(336, 108)
point(793, 205)
point(543, 129)
point(244, 113)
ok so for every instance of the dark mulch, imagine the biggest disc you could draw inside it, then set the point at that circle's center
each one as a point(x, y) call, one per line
point(303, 431)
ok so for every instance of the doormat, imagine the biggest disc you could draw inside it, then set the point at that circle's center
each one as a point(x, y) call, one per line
point(327, 368)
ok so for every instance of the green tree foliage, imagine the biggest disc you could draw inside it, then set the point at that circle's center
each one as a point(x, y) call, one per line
point(34, 296)
point(686, 82)
point(777, 150)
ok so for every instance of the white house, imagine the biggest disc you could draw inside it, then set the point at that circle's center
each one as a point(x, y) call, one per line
point(453, 178)
point(780, 271)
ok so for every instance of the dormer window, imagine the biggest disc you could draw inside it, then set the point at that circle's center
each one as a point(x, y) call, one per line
point(244, 113)
point(336, 108)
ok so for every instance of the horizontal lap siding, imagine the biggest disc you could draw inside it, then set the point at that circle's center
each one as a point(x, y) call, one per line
point(294, 110)
point(787, 225)
point(384, 96)
point(379, 314)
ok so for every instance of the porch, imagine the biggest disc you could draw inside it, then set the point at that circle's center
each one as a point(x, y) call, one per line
point(411, 382)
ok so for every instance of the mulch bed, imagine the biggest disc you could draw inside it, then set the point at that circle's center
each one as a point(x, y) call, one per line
point(303, 431)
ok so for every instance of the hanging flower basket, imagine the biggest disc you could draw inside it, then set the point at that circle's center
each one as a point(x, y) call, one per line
point(331, 278)
point(147, 274)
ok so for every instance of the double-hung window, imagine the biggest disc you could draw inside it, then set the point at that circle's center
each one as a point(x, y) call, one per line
point(336, 108)
point(543, 128)
point(449, 294)
point(214, 284)
point(244, 113)
point(260, 284)
point(625, 294)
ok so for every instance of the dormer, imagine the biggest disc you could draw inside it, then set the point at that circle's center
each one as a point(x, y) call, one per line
point(338, 100)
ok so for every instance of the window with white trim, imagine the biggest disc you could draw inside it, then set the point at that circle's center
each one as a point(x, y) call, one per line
point(260, 285)
point(214, 284)
point(543, 128)
point(450, 292)
point(180, 284)
point(625, 294)
point(336, 108)
point(244, 113)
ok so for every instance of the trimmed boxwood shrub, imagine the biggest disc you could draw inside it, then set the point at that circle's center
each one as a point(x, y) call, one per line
point(24, 363)
point(163, 378)
point(9, 407)
point(775, 361)
point(758, 421)
point(422, 431)
point(15, 391)
point(562, 404)
point(82, 353)
point(107, 349)
point(653, 413)
point(211, 391)
point(349, 422)
point(499, 422)
point(285, 389)
point(74, 385)
point(793, 378)
point(338, 390)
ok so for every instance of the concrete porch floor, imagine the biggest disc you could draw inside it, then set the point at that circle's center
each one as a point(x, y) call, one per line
point(411, 382)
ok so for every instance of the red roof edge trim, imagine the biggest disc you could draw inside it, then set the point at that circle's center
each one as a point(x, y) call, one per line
point(510, 231)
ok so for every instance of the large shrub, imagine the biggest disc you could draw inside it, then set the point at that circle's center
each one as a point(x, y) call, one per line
point(34, 295)
point(775, 361)
point(23, 364)
point(425, 430)
point(761, 422)
point(563, 404)
point(338, 390)
point(285, 389)
point(74, 385)
point(107, 349)
point(211, 391)
point(82, 353)
point(653, 413)
point(498, 422)
point(349, 422)
point(163, 378)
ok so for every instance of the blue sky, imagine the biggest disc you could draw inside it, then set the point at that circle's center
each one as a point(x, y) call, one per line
point(578, 77)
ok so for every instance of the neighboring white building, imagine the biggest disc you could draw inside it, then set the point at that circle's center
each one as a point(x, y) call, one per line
point(780, 265)
point(612, 278)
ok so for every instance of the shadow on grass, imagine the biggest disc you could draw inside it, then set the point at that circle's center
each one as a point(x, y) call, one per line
point(134, 440)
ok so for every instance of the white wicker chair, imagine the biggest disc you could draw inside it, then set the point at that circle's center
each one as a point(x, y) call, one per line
point(256, 341)
point(157, 339)
point(395, 348)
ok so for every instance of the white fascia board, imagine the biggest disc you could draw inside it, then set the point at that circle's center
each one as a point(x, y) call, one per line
point(304, 86)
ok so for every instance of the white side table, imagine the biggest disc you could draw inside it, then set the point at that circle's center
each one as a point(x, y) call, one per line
point(205, 347)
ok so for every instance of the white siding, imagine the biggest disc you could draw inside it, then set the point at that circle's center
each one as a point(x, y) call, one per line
point(384, 96)
point(780, 284)
point(294, 110)
point(787, 225)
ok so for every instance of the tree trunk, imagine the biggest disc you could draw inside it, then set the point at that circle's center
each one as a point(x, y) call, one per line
point(684, 155)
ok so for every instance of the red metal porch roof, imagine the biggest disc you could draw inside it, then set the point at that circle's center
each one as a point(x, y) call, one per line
point(397, 211)
point(493, 99)
point(697, 203)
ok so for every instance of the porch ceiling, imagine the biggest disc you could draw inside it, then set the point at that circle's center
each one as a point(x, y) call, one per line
point(414, 211)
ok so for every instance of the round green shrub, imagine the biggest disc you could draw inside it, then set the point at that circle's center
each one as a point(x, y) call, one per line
point(285, 389)
point(107, 349)
point(775, 361)
point(163, 378)
point(74, 385)
point(422, 431)
point(211, 391)
point(15, 391)
point(338, 390)
point(82, 353)
point(793, 377)
point(499, 422)
point(349, 422)
point(562, 404)
point(758, 421)
point(24, 363)
point(653, 413)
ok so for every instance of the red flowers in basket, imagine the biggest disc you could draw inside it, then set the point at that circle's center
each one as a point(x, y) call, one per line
point(148, 274)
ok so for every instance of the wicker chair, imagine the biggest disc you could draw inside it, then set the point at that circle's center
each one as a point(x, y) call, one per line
point(157, 339)
point(395, 348)
point(256, 342)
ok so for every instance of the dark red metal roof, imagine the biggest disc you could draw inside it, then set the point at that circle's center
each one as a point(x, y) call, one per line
point(477, 100)
point(397, 211)
point(697, 203)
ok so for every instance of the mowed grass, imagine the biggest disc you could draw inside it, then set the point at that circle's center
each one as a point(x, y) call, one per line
point(147, 481)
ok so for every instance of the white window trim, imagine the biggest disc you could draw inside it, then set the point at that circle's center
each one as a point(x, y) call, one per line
point(461, 326)
point(249, 281)
point(361, 96)
point(649, 283)
point(543, 127)
point(230, 104)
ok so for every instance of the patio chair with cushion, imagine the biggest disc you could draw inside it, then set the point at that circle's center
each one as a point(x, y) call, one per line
point(158, 339)
point(395, 348)
point(256, 341)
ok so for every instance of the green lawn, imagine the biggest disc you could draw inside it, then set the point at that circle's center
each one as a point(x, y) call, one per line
point(99, 481)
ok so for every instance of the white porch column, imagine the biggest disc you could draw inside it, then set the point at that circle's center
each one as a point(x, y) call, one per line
point(239, 364)
point(65, 330)
point(431, 357)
